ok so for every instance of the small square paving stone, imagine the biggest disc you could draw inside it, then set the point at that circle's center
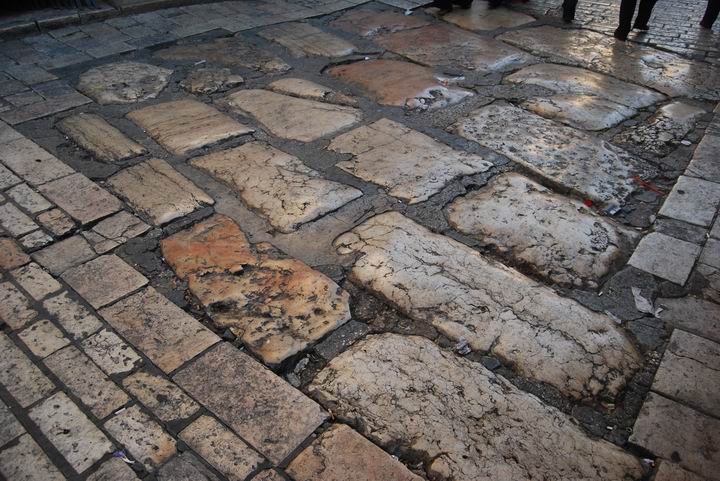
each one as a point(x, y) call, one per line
point(185, 467)
point(15, 221)
point(28, 199)
point(673, 431)
point(711, 253)
point(692, 200)
point(161, 330)
point(79, 441)
point(144, 438)
point(104, 280)
point(26, 461)
point(303, 40)
point(166, 401)
point(82, 198)
point(43, 338)
point(114, 231)
point(704, 163)
point(38, 283)
point(7, 178)
point(114, 469)
point(261, 407)
point(101, 139)
point(65, 254)
point(75, 318)
point(184, 125)
point(691, 314)
point(35, 240)
point(15, 308)
point(157, 190)
point(668, 471)
point(11, 255)
point(31, 162)
point(221, 448)
point(56, 222)
point(86, 381)
point(666, 257)
point(8, 134)
point(10, 428)
point(111, 353)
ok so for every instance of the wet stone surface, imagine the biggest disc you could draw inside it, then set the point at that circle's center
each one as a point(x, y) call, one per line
point(368, 23)
point(123, 82)
point(480, 17)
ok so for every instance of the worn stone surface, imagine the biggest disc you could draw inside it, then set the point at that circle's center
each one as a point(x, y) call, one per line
point(110, 352)
point(10, 428)
point(401, 84)
point(79, 441)
point(36, 282)
point(711, 253)
point(104, 280)
point(7, 178)
point(15, 308)
point(184, 125)
point(77, 320)
point(160, 329)
point(268, 475)
point(480, 17)
point(272, 416)
point(286, 116)
point(556, 236)
point(665, 257)
point(277, 184)
point(11, 255)
point(56, 222)
point(443, 45)
point(31, 162)
point(166, 401)
point(569, 157)
point(668, 471)
point(692, 200)
point(692, 314)
point(35, 240)
point(114, 469)
point(221, 448)
point(368, 23)
point(437, 280)
point(14, 221)
point(662, 71)
point(86, 381)
point(704, 162)
point(144, 438)
point(210, 80)
point(157, 190)
point(277, 306)
point(185, 467)
point(302, 39)
point(65, 254)
point(437, 400)
point(411, 165)
point(306, 89)
point(340, 339)
point(26, 461)
point(82, 198)
point(339, 451)
point(673, 431)
point(28, 199)
point(43, 338)
point(114, 231)
point(123, 82)
point(94, 134)
point(580, 111)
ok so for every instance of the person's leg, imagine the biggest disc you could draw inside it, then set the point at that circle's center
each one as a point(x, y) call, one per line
point(711, 13)
point(627, 9)
point(569, 7)
point(644, 12)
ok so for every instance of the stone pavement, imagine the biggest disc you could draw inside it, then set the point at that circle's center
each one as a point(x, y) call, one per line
point(321, 240)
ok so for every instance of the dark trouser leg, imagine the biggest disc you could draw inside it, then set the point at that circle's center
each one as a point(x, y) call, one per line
point(644, 12)
point(569, 7)
point(627, 10)
point(711, 13)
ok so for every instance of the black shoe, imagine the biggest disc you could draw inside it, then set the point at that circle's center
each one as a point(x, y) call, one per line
point(464, 4)
point(492, 4)
point(620, 34)
point(644, 27)
point(443, 6)
point(707, 25)
point(568, 14)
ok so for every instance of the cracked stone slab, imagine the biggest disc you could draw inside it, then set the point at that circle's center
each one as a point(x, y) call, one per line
point(692, 200)
point(104, 280)
point(26, 461)
point(110, 353)
point(467, 422)
point(668, 73)
point(277, 184)
point(157, 190)
point(401, 84)
point(123, 82)
point(574, 159)
point(556, 236)
point(444, 45)
point(297, 87)
point(278, 306)
point(97, 136)
point(586, 112)
point(22, 379)
point(62, 255)
point(434, 279)
point(261, 407)
point(666, 257)
point(293, 118)
point(480, 17)
point(692, 314)
point(114, 231)
point(82, 198)
point(184, 125)
point(411, 165)
point(303, 40)
point(31, 162)
point(368, 23)
point(210, 80)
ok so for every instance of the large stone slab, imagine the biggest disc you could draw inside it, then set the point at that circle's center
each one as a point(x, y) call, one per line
point(662, 71)
point(692, 314)
point(574, 159)
point(480, 17)
point(435, 279)
point(302, 39)
point(261, 407)
point(443, 45)
point(580, 111)
point(692, 200)
point(465, 421)
point(556, 236)
point(123, 82)
point(411, 165)
point(82, 198)
point(666, 257)
point(401, 84)
point(293, 118)
point(278, 185)
point(157, 190)
point(184, 125)
point(368, 23)
point(277, 306)
point(101, 139)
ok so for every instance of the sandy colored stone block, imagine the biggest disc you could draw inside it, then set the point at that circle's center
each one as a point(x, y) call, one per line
point(34, 164)
point(79, 441)
point(77, 320)
point(15, 308)
point(184, 125)
point(210, 80)
point(43, 338)
point(110, 352)
point(261, 407)
point(144, 438)
point(185, 467)
point(65, 254)
point(123, 82)
point(277, 184)
point(432, 278)
point(104, 280)
point(114, 469)
point(668, 471)
point(436, 402)
point(167, 401)
point(401, 84)
point(303, 40)
point(14, 221)
point(11, 255)
point(26, 461)
point(28, 199)
point(114, 231)
point(569, 157)
point(82, 198)
point(297, 87)
point(411, 165)
point(291, 117)
point(480, 17)
point(86, 381)
point(36, 282)
point(692, 200)
point(162, 331)
point(580, 111)
point(368, 23)
point(221, 448)
point(56, 222)
point(277, 306)
point(96, 135)
point(339, 451)
point(666, 257)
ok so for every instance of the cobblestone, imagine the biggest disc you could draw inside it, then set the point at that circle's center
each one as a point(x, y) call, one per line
point(26, 461)
point(43, 338)
point(81, 198)
point(104, 280)
point(96, 135)
point(110, 352)
point(162, 397)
